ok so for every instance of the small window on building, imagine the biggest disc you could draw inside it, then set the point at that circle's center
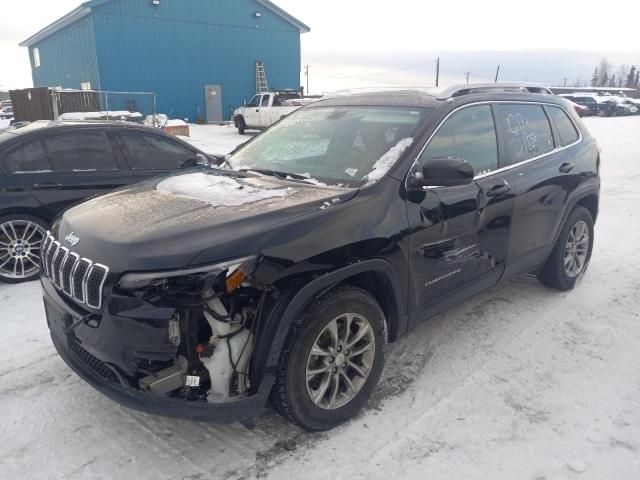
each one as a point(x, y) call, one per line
point(85, 86)
point(36, 57)
point(566, 129)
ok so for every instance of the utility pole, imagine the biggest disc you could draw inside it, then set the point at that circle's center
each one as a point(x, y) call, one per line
point(306, 73)
point(467, 74)
point(497, 74)
point(564, 83)
point(438, 72)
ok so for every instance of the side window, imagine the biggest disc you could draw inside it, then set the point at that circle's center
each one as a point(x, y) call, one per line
point(81, 152)
point(153, 152)
point(265, 101)
point(29, 158)
point(255, 101)
point(526, 130)
point(468, 134)
point(565, 126)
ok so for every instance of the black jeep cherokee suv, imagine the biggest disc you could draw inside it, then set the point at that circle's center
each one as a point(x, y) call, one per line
point(284, 274)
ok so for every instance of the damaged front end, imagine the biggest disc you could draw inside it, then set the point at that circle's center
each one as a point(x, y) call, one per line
point(176, 343)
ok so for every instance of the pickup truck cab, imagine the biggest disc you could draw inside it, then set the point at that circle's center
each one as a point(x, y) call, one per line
point(267, 108)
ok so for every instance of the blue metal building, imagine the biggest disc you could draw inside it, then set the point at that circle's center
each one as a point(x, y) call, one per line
point(198, 56)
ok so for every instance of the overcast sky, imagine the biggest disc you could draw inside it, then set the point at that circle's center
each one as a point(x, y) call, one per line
point(367, 42)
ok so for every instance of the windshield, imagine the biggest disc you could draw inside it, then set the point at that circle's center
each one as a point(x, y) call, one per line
point(334, 145)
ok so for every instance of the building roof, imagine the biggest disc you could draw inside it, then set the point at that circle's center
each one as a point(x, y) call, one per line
point(85, 9)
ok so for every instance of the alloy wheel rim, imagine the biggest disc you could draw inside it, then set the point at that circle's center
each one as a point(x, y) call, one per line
point(576, 249)
point(340, 361)
point(20, 245)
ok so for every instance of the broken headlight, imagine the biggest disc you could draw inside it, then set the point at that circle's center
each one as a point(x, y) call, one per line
point(236, 272)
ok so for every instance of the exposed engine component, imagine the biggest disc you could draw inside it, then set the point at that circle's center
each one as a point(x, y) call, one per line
point(174, 330)
point(167, 380)
point(232, 346)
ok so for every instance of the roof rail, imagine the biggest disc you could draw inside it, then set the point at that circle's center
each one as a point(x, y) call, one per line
point(524, 87)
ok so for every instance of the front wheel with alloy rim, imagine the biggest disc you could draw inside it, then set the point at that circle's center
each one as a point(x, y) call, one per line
point(21, 238)
point(333, 360)
point(570, 256)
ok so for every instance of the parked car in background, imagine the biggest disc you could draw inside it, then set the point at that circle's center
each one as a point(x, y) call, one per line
point(6, 112)
point(587, 101)
point(203, 294)
point(265, 109)
point(46, 167)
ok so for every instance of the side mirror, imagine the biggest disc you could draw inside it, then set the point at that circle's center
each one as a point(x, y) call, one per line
point(244, 104)
point(201, 159)
point(444, 172)
point(197, 161)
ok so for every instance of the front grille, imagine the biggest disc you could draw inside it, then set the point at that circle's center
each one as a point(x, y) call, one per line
point(95, 364)
point(78, 278)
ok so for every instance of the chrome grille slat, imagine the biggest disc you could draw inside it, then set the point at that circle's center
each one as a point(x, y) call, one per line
point(78, 278)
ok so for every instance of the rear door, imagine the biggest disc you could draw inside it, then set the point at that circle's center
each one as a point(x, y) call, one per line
point(266, 111)
point(150, 154)
point(460, 234)
point(538, 168)
point(68, 167)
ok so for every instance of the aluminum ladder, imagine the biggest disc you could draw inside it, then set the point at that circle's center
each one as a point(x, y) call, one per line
point(261, 78)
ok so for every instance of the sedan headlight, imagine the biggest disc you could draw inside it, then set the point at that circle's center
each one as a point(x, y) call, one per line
point(237, 271)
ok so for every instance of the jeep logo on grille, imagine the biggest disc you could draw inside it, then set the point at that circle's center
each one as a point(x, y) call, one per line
point(72, 240)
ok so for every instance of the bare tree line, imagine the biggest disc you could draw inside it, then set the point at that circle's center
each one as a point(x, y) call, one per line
point(605, 75)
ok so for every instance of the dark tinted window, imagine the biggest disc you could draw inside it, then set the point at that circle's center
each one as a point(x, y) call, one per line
point(565, 126)
point(81, 151)
point(527, 132)
point(28, 158)
point(153, 152)
point(468, 134)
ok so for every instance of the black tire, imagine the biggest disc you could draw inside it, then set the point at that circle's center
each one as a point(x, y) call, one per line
point(241, 125)
point(290, 396)
point(4, 277)
point(553, 273)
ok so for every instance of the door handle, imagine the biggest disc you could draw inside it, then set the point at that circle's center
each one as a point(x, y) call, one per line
point(566, 167)
point(47, 186)
point(499, 190)
point(257, 110)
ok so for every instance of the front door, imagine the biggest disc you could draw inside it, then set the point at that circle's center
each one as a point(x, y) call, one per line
point(213, 96)
point(460, 234)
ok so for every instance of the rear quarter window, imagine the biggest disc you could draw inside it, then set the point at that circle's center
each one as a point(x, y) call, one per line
point(564, 125)
point(526, 132)
point(28, 158)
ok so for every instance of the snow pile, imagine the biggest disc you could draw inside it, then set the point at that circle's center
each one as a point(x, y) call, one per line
point(117, 114)
point(218, 190)
point(384, 164)
point(5, 123)
point(175, 123)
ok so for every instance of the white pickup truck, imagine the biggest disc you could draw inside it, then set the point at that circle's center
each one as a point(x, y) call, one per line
point(267, 108)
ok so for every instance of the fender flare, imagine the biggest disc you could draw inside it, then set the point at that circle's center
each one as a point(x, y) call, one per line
point(571, 204)
point(268, 353)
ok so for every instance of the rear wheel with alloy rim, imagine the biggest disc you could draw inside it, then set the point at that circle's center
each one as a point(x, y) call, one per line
point(570, 257)
point(21, 238)
point(333, 360)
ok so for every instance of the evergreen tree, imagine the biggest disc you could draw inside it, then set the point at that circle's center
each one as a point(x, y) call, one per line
point(631, 77)
point(636, 83)
point(594, 78)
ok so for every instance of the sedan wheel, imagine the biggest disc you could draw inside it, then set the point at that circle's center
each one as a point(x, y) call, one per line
point(20, 245)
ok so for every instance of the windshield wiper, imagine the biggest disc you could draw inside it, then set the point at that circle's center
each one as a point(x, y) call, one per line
point(293, 177)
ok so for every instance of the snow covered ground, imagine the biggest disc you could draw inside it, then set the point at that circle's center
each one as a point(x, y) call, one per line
point(216, 139)
point(518, 383)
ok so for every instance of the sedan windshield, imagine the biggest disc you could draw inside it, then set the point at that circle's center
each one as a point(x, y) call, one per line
point(345, 145)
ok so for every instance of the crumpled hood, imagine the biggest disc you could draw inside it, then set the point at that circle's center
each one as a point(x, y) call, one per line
point(165, 222)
